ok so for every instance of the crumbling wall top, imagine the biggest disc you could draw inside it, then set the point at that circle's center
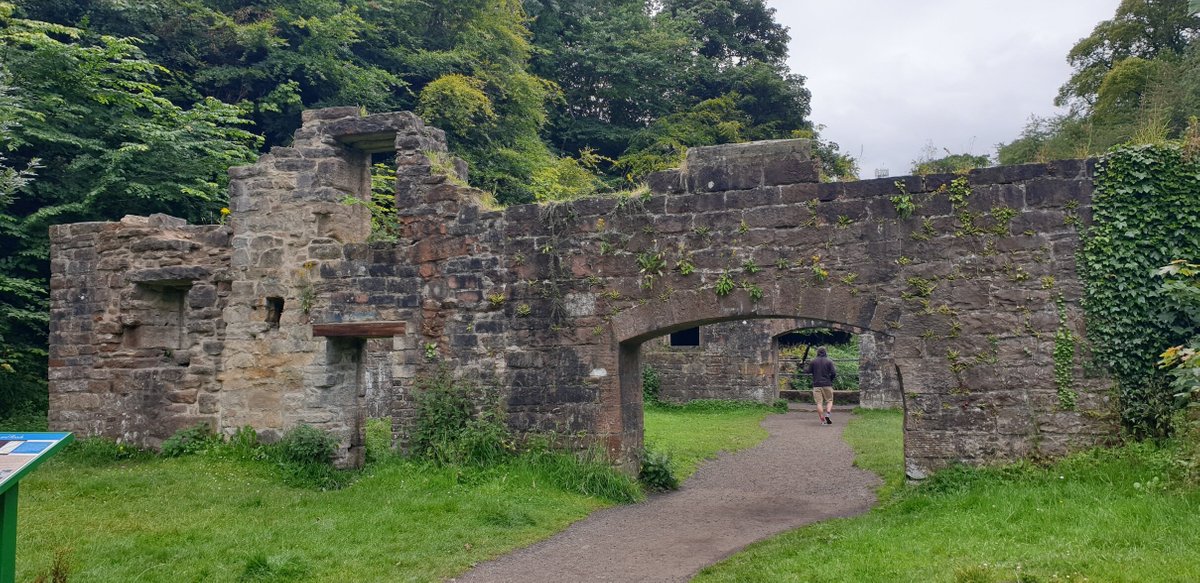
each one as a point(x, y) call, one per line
point(742, 166)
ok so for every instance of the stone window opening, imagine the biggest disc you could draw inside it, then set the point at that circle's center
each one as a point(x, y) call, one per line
point(274, 310)
point(689, 337)
point(160, 318)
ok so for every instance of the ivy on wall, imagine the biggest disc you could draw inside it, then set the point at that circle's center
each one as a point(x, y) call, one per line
point(1146, 213)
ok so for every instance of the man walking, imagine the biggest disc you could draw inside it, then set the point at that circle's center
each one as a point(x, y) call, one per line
point(823, 372)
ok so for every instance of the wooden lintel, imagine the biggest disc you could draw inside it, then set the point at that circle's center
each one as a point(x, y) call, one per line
point(359, 329)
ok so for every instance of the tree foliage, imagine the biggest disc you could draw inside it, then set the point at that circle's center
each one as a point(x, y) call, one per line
point(1144, 29)
point(641, 85)
point(140, 107)
point(85, 112)
point(1136, 78)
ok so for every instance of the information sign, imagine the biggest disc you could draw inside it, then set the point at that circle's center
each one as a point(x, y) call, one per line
point(19, 454)
point(20, 451)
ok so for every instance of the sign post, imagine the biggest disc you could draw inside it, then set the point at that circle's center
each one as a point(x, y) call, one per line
point(19, 454)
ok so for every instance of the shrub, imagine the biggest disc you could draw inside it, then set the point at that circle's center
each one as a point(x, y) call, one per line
point(379, 439)
point(305, 445)
point(97, 451)
point(651, 384)
point(458, 424)
point(243, 444)
point(656, 472)
point(190, 440)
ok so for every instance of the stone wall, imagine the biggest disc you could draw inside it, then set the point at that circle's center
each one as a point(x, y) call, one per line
point(136, 326)
point(552, 303)
point(734, 360)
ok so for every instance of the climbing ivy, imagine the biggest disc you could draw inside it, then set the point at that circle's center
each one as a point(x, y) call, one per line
point(1146, 213)
point(1064, 359)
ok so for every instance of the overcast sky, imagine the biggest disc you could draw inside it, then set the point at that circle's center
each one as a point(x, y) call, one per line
point(889, 77)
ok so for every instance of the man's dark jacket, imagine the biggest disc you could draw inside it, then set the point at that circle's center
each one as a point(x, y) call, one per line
point(822, 371)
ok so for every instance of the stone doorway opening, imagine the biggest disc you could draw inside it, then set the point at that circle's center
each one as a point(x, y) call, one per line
point(795, 349)
point(738, 357)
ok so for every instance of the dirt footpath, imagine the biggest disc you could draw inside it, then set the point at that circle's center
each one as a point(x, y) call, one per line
point(801, 474)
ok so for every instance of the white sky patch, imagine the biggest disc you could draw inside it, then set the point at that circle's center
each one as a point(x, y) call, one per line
point(889, 78)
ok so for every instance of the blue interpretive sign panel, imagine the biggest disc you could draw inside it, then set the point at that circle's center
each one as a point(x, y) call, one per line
point(20, 452)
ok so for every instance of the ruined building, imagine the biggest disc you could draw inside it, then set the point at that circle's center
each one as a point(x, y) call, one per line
point(288, 315)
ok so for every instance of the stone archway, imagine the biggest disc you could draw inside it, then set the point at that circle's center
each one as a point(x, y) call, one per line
point(697, 308)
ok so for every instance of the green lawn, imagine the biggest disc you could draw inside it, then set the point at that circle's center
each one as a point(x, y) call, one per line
point(1099, 516)
point(694, 434)
point(206, 519)
point(212, 518)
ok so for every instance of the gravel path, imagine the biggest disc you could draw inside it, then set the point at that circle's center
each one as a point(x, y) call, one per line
point(801, 474)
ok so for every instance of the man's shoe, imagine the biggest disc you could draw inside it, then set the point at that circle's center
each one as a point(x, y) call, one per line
point(828, 420)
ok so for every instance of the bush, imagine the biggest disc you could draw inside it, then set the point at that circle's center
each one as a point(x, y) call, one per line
point(191, 440)
point(243, 444)
point(651, 384)
point(379, 439)
point(307, 445)
point(26, 417)
point(656, 472)
point(458, 424)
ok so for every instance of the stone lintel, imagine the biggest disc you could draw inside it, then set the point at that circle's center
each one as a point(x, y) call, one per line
point(359, 329)
point(174, 276)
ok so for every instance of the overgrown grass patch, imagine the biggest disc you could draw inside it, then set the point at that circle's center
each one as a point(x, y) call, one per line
point(1103, 515)
point(876, 436)
point(696, 432)
point(214, 518)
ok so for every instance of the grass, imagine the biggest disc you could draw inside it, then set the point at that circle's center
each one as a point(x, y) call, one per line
point(205, 518)
point(875, 435)
point(1097, 516)
point(116, 514)
point(696, 432)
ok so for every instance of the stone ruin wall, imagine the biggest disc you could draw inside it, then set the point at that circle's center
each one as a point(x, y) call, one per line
point(137, 326)
point(548, 303)
point(734, 360)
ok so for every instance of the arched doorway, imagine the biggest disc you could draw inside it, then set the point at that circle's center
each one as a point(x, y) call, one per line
point(692, 308)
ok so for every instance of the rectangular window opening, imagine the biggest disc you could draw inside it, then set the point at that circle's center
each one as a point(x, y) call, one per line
point(274, 311)
point(688, 337)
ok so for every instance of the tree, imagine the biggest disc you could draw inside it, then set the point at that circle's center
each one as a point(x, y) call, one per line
point(732, 32)
point(88, 113)
point(1147, 29)
point(281, 56)
point(640, 81)
point(619, 69)
point(1137, 78)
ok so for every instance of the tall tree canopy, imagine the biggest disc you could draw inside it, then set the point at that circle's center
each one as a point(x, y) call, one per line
point(139, 107)
point(1136, 77)
point(640, 80)
point(1141, 29)
point(84, 113)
